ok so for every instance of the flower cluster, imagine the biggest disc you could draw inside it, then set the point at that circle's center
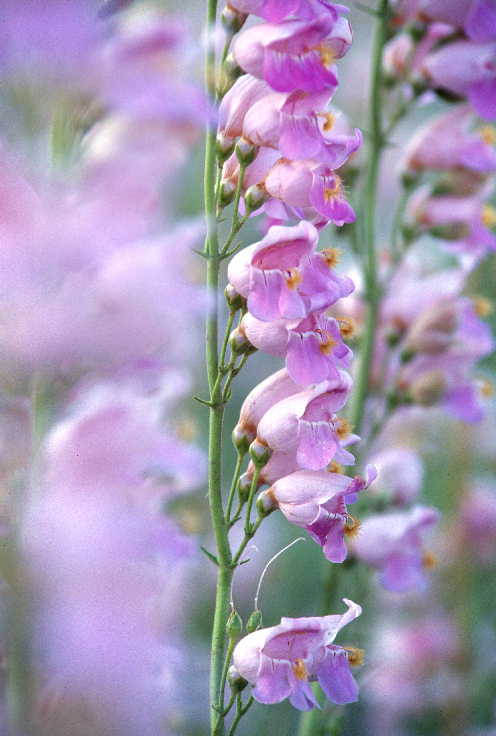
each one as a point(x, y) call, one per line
point(289, 143)
point(287, 147)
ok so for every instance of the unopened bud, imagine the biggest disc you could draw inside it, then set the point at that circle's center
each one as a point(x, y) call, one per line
point(232, 19)
point(266, 504)
point(246, 152)
point(409, 179)
point(239, 343)
point(242, 438)
point(234, 626)
point(236, 682)
point(225, 146)
point(244, 486)
point(417, 31)
point(254, 622)
point(231, 68)
point(393, 337)
point(255, 196)
point(428, 389)
point(234, 300)
point(260, 453)
point(227, 192)
point(407, 355)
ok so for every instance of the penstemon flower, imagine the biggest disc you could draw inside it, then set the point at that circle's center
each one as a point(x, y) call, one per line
point(282, 660)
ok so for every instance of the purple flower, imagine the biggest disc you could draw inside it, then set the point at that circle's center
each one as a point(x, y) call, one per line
point(282, 276)
point(400, 474)
point(306, 423)
point(317, 501)
point(294, 54)
point(476, 17)
point(393, 544)
point(282, 660)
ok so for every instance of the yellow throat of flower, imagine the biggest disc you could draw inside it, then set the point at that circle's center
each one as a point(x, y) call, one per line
point(488, 134)
point(300, 670)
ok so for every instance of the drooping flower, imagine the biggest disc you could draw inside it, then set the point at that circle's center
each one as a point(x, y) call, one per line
point(306, 423)
point(282, 660)
point(393, 544)
point(294, 54)
point(282, 276)
point(317, 501)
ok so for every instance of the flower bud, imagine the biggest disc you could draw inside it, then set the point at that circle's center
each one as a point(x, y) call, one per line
point(232, 19)
point(239, 343)
point(231, 68)
point(234, 300)
point(266, 504)
point(225, 146)
point(260, 453)
point(255, 196)
point(428, 389)
point(234, 626)
point(244, 486)
point(409, 179)
point(236, 682)
point(242, 438)
point(254, 622)
point(246, 152)
point(227, 192)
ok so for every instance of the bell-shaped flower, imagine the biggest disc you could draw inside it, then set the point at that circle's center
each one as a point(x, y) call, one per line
point(393, 544)
point(282, 660)
point(313, 348)
point(306, 424)
point(311, 188)
point(448, 143)
point(282, 277)
point(317, 501)
point(466, 69)
point(294, 54)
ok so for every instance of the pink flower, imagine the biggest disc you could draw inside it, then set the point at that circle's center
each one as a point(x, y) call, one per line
point(447, 143)
point(239, 101)
point(278, 10)
point(294, 54)
point(393, 544)
point(317, 501)
point(310, 188)
point(313, 348)
point(282, 276)
point(305, 423)
point(281, 661)
point(273, 389)
point(467, 69)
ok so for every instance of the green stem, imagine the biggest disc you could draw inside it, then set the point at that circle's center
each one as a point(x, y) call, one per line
point(376, 144)
point(219, 525)
point(241, 710)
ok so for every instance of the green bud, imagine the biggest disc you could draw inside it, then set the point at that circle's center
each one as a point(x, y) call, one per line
point(417, 31)
point(225, 146)
point(254, 622)
point(409, 179)
point(259, 453)
point(236, 682)
point(393, 337)
point(239, 343)
point(246, 152)
point(227, 192)
point(234, 300)
point(232, 19)
point(244, 486)
point(407, 355)
point(255, 196)
point(234, 626)
point(242, 438)
point(265, 504)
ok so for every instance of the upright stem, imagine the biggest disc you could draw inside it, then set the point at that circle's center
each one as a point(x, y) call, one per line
point(313, 723)
point(219, 525)
point(376, 143)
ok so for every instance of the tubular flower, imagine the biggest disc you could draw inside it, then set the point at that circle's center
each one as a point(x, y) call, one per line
point(295, 54)
point(393, 544)
point(305, 423)
point(282, 276)
point(282, 660)
point(317, 501)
